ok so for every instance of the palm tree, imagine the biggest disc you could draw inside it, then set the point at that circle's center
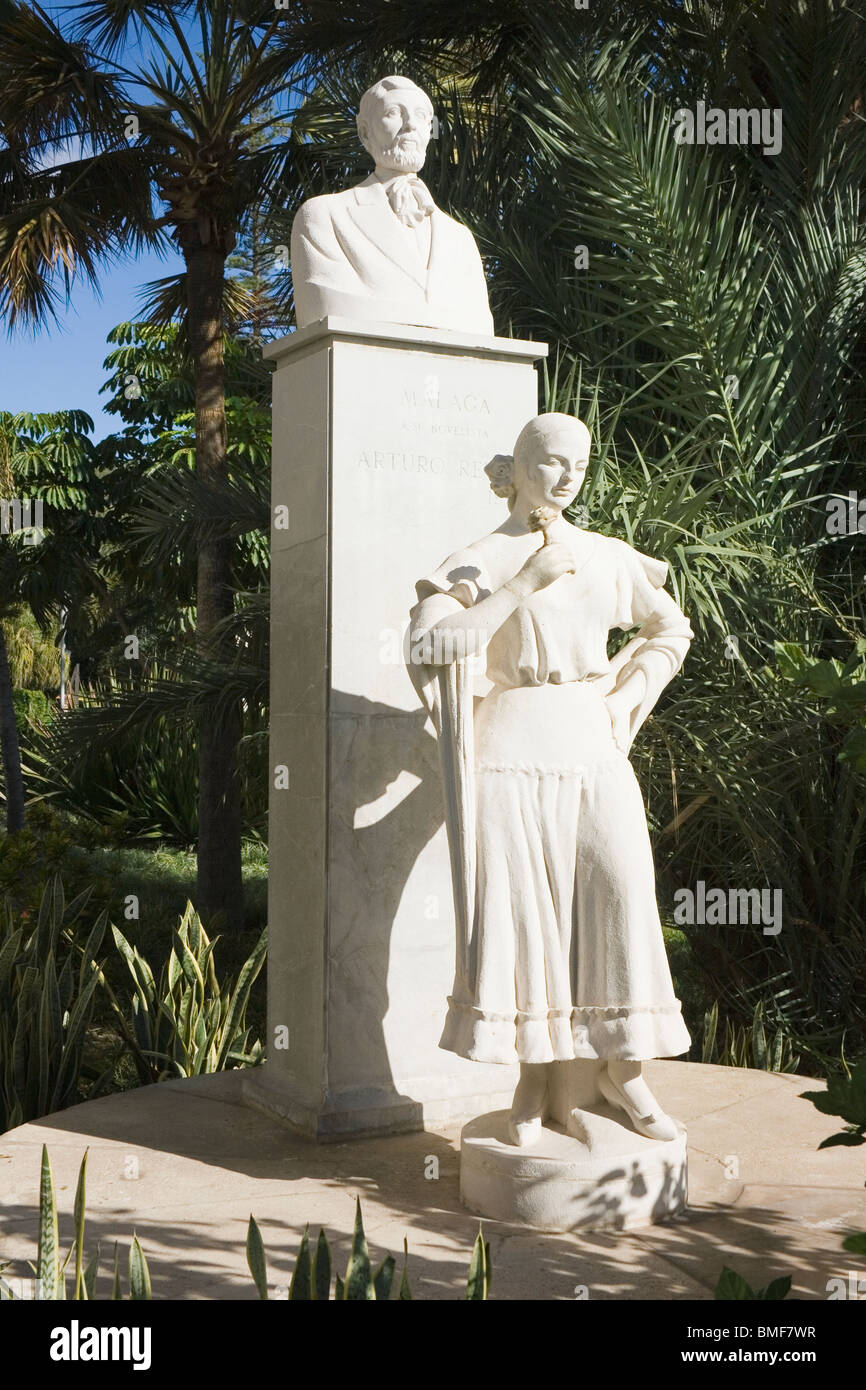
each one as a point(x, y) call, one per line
point(184, 127)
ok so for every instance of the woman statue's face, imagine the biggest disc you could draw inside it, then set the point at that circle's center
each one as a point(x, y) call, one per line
point(553, 472)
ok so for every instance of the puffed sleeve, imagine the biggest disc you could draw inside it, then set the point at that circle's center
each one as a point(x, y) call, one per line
point(457, 584)
point(461, 577)
point(664, 633)
point(639, 578)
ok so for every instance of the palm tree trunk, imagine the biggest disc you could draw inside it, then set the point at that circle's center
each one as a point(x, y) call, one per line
point(9, 745)
point(220, 883)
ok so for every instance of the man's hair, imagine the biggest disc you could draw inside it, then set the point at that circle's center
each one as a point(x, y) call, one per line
point(381, 89)
point(541, 427)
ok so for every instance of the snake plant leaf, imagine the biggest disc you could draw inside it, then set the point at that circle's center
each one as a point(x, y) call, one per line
point(50, 1033)
point(141, 1026)
point(301, 1287)
point(405, 1289)
point(76, 1027)
point(383, 1279)
point(49, 917)
point(78, 1219)
point(22, 1043)
point(359, 1274)
point(189, 965)
point(241, 994)
point(139, 1274)
point(175, 971)
point(191, 929)
point(90, 1274)
point(92, 947)
point(203, 952)
point(256, 1258)
point(9, 953)
point(129, 954)
point(74, 909)
point(322, 1269)
point(66, 985)
point(711, 1024)
point(48, 1257)
point(478, 1282)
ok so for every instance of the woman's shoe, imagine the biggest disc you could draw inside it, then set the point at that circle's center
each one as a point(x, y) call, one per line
point(525, 1132)
point(576, 1128)
point(658, 1125)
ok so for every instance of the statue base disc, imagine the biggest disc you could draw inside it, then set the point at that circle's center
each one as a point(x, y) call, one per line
point(614, 1180)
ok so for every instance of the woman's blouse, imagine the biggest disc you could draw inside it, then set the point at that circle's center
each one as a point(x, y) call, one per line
point(560, 633)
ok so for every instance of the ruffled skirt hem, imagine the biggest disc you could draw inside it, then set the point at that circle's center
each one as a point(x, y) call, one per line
point(623, 1033)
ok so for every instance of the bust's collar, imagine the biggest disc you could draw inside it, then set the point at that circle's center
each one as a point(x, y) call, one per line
point(372, 190)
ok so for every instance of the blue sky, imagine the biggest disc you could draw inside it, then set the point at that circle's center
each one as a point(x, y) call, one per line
point(60, 368)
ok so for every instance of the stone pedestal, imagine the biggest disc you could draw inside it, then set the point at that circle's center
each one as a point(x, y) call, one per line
point(380, 440)
point(611, 1178)
point(617, 1181)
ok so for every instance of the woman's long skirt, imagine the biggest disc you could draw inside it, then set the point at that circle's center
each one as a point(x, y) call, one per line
point(567, 957)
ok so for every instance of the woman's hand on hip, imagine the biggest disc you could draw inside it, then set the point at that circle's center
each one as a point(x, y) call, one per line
point(620, 708)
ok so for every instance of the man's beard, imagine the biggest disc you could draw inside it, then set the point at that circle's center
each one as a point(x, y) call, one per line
point(403, 158)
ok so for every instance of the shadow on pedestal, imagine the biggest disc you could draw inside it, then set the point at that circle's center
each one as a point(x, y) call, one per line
point(384, 808)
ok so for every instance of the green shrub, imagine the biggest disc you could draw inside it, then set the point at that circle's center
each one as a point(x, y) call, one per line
point(52, 1054)
point(140, 788)
point(99, 761)
point(747, 1046)
point(188, 1023)
point(47, 988)
point(33, 707)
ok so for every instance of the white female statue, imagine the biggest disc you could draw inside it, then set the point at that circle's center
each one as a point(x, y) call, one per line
point(560, 953)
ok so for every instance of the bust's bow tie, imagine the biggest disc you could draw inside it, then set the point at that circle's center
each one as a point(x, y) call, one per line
point(410, 199)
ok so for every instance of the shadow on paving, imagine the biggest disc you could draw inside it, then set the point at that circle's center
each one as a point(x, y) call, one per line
point(199, 1253)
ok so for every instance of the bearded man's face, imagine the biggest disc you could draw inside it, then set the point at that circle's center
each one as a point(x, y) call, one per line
point(398, 130)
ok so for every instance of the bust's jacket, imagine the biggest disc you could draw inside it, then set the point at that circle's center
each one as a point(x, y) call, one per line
point(352, 258)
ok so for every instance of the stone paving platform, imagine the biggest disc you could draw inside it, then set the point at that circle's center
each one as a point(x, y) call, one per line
point(184, 1164)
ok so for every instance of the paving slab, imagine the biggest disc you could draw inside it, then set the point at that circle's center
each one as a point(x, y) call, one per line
point(184, 1164)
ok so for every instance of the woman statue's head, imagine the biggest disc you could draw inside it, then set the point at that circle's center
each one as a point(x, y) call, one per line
point(548, 466)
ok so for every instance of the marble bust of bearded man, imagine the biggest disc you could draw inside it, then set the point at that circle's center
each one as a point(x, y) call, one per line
point(383, 252)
